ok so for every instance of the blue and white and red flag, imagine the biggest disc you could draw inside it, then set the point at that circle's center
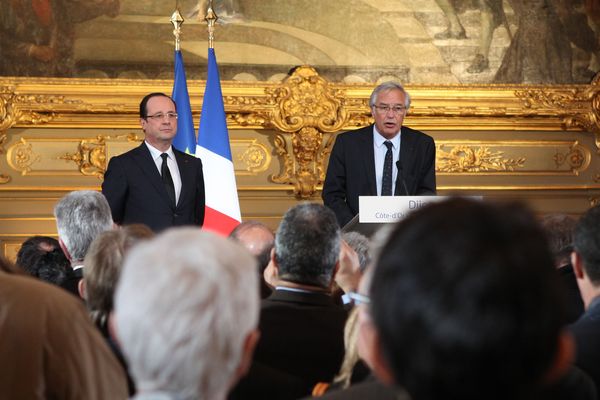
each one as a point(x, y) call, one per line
point(185, 140)
point(222, 204)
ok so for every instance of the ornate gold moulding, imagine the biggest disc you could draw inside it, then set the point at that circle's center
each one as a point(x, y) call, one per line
point(305, 111)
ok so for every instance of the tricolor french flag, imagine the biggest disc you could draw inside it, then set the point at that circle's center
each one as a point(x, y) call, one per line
point(222, 204)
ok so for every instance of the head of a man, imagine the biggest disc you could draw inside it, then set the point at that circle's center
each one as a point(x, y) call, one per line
point(158, 118)
point(80, 217)
point(559, 231)
point(186, 312)
point(257, 238)
point(464, 298)
point(586, 256)
point(389, 104)
point(103, 263)
point(42, 257)
point(307, 245)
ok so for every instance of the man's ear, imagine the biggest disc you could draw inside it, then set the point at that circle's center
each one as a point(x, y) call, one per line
point(112, 328)
point(577, 264)
point(81, 289)
point(381, 368)
point(271, 272)
point(565, 353)
point(249, 344)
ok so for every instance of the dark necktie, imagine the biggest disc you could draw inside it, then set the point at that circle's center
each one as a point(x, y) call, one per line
point(167, 178)
point(386, 181)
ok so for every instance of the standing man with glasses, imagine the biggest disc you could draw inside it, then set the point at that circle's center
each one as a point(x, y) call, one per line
point(155, 184)
point(383, 159)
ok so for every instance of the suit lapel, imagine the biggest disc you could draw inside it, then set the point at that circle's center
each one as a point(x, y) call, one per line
point(407, 153)
point(186, 174)
point(366, 147)
point(144, 159)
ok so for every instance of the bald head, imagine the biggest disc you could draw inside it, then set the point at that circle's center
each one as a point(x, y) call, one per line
point(253, 235)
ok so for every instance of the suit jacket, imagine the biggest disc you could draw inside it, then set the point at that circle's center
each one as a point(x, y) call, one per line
point(71, 281)
point(351, 169)
point(301, 343)
point(50, 347)
point(587, 341)
point(574, 304)
point(136, 193)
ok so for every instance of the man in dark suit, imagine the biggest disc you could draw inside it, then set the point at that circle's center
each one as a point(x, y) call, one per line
point(367, 161)
point(586, 264)
point(302, 330)
point(155, 184)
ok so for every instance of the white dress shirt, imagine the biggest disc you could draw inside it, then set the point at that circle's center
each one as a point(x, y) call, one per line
point(379, 150)
point(171, 162)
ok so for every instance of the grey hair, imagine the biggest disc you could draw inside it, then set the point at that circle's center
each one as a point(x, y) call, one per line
point(307, 245)
point(361, 245)
point(184, 305)
point(80, 217)
point(386, 87)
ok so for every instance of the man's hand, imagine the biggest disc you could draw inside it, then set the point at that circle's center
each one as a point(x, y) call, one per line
point(348, 274)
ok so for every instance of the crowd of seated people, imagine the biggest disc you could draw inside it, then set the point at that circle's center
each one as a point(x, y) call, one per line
point(460, 300)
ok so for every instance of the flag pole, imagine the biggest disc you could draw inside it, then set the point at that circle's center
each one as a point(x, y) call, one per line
point(222, 211)
point(185, 139)
point(211, 18)
point(177, 20)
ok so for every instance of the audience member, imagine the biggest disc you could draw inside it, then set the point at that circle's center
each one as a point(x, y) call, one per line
point(559, 231)
point(103, 263)
point(301, 328)
point(186, 310)
point(586, 264)
point(465, 304)
point(368, 388)
point(80, 217)
point(259, 240)
point(42, 257)
point(49, 347)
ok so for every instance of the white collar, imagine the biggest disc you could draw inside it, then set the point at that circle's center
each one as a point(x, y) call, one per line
point(378, 139)
point(155, 153)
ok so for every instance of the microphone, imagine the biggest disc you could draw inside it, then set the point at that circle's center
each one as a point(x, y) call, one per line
point(401, 177)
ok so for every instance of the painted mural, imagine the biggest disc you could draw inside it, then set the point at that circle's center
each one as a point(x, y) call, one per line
point(414, 41)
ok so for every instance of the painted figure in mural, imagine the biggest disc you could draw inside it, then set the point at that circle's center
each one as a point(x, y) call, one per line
point(492, 16)
point(37, 36)
point(455, 29)
point(540, 52)
point(581, 26)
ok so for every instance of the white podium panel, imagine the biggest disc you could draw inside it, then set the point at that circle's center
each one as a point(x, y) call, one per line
point(384, 209)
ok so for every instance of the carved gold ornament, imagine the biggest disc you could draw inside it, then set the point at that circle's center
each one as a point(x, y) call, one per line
point(21, 156)
point(464, 158)
point(90, 157)
point(307, 111)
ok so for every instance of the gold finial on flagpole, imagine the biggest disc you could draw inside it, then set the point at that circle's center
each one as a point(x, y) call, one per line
point(177, 21)
point(211, 18)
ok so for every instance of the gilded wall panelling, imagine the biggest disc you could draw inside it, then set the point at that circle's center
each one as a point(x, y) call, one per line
point(510, 157)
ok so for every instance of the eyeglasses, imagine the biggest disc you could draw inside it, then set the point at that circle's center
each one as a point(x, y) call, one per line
point(387, 108)
point(358, 298)
point(160, 116)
